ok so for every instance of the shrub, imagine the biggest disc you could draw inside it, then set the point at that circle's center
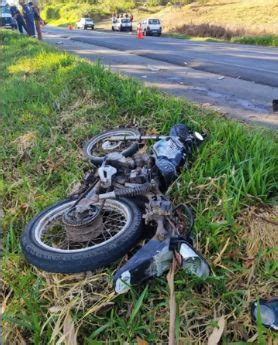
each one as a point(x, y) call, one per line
point(52, 13)
point(208, 30)
point(156, 2)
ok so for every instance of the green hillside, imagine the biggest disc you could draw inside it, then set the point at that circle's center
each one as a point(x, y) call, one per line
point(241, 17)
point(242, 21)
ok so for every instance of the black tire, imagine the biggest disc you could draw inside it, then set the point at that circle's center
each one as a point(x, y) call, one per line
point(103, 254)
point(97, 160)
point(113, 29)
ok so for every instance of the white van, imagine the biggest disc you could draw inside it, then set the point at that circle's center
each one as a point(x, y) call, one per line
point(85, 23)
point(121, 24)
point(151, 26)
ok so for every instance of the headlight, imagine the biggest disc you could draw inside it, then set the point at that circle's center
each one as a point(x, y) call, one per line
point(193, 262)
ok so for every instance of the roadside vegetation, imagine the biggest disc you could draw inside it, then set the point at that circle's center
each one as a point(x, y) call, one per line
point(267, 40)
point(240, 21)
point(51, 102)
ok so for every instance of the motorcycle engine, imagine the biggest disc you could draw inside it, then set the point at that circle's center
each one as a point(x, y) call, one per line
point(169, 155)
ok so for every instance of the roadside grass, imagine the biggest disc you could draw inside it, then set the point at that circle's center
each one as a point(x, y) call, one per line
point(50, 103)
point(267, 40)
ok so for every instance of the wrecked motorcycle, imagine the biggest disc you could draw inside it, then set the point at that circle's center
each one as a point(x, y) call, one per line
point(120, 202)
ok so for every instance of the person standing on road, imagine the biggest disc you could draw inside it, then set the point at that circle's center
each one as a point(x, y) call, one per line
point(15, 13)
point(29, 18)
point(37, 17)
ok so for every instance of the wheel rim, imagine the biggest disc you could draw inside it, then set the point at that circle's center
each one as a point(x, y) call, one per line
point(50, 231)
point(101, 146)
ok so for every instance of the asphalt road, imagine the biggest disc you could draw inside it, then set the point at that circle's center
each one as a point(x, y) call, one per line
point(242, 76)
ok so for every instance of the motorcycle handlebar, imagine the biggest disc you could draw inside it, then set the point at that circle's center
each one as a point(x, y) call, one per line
point(139, 138)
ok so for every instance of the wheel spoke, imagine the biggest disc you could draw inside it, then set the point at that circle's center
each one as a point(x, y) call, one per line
point(54, 233)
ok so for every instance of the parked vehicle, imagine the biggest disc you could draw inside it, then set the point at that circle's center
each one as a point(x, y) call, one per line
point(121, 200)
point(85, 23)
point(121, 24)
point(6, 20)
point(151, 26)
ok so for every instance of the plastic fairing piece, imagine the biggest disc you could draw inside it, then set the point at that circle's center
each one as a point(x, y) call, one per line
point(152, 260)
point(155, 258)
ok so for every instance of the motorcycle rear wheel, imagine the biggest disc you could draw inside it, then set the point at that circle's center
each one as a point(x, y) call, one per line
point(45, 245)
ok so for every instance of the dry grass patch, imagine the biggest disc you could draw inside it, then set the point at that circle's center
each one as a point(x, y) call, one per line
point(25, 142)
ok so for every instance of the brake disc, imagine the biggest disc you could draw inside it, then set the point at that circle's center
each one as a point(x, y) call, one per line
point(108, 145)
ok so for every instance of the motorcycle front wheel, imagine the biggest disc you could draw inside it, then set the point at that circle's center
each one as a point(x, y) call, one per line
point(44, 241)
point(99, 146)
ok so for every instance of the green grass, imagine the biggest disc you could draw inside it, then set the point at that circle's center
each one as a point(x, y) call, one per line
point(267, 40)
point(50, 103)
